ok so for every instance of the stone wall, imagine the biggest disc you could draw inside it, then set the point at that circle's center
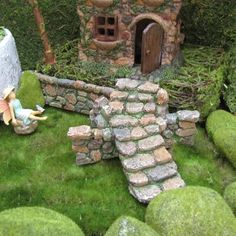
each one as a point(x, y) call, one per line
point(135, 125)
point(71, 95)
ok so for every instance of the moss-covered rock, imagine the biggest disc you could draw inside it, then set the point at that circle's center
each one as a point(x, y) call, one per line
point(230, 196)
point(129, 226)
point(30, 92)
point(188, 211)
point(221, 127)
point(26, 221)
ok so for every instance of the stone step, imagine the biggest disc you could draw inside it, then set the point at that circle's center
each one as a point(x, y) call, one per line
point(161, 172)
point(146, 193)
point(139, 162)
point(150, 143)
point(138, 179)
point(173, 183)
point(123, 121)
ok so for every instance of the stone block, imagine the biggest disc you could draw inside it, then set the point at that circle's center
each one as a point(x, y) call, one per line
point(161, 172)
point(138, 133)
point(139, 162)
point(106, 111)
point(107, 134)
point(108, 147)
point(162, 123)
point(148, 87)
point(186, 132)
point(152, 129)
point(97, 134)
point(171, 118)
point(80, 149)
point(144, 97)
point(101, 101)
point(138, 179)
point(191, 116)
point(116, 107)
point(71, 98)
point(118, 95)
point(127, 84)
point(132, 97)
point(162, 97)
point(187, 125)
point(50, 90)
point(96, 155)
point(69, 107)
point(150, 143)
point(162, 110)
point(95, 144)
point(80, 132)
point(162, 155)
point(150, 107)
point(126, 148)
point(122, 134)
point(146, 193)
point(148, 119)
point(100, 121)
point(173, 183)
point(168, 133)
point(134, 107)
point(123, 120)
point(55, 104)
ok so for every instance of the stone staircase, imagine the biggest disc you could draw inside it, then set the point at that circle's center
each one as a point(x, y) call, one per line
point(137, 124)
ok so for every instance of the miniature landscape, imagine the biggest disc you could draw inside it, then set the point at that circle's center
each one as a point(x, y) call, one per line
point(117, 118)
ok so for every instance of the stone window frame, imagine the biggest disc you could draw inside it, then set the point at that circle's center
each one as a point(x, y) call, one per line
point(106, 28)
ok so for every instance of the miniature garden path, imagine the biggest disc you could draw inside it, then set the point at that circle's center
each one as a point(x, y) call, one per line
point(136, 126)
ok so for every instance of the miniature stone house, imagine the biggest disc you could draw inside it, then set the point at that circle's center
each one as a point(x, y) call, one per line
point(130, 32)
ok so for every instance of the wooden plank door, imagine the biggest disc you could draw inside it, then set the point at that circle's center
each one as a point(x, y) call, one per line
point(151, 48)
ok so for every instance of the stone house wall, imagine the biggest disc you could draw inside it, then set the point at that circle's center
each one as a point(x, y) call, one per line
point(129, 13)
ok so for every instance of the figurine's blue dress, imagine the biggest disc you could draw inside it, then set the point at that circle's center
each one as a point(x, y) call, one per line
point(20, 113)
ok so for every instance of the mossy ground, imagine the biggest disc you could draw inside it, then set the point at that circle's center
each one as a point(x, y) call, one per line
point(40, 170)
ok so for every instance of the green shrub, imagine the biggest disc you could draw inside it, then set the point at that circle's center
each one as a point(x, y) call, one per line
point(61, 19)
point(230, 83)
point(230, 196)
point(199, 82)
point(36, 221)
point(129, 226)
point(221, 127)
point(195, 211)
point(207, 22)
point(29, 92)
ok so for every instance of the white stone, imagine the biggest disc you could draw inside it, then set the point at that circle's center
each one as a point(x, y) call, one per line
point(10, 69)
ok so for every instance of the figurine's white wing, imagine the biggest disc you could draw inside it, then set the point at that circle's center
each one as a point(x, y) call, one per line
point(5, 109)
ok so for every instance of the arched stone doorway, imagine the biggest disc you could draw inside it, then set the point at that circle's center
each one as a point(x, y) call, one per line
point(148, 40)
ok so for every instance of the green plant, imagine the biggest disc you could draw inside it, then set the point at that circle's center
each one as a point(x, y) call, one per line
point(129, 226)
point(36, 221)
point(190, 211)
point(221, 127)
point(2, 33)
point(230, 196)
point(197, 85)
point(29, 92)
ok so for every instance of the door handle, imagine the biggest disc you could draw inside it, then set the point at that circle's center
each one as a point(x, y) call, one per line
point(148, 52)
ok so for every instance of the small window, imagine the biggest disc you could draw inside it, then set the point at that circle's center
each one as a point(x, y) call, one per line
point(106, 28)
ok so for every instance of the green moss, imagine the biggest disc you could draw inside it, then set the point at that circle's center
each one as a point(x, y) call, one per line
point(230, 196)
point(36, 221)
point(29, 92)
point(129, 226)
point(221, 127)
point(191, 211)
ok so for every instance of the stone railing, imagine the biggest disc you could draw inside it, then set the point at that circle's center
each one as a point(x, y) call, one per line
point(135, 125)
point(71, 95)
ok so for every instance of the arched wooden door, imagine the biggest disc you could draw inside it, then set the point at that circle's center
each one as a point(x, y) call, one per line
point(152, 39)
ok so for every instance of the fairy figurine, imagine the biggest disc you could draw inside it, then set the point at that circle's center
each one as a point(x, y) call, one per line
point(12, 109)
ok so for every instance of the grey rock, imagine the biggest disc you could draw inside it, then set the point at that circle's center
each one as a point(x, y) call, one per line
point(173, 127)
point(132, 97)
point(82, 94)
point(106, 111)
point(123, 120)
point(81, 99)
point(186, 115)
point(100, 121)
point(162, 110)
point(120, 95)
point(138, 133)
point(127, 84)
point(152, 129)
point(61, 100)
point(139, 162)
point(55, 104)
point(150, 143)
point(146, 193)
point(134, 107)
point(101, 101)
point(107, 134)
point(122, 134)
point(138, 179)
point(148, 87)
point(171, 118)
point(173, 183)
point(144, 97)
point(126, 148)
point(108, 147)
point(162, 172)
point(95, 144)
point(168, 133)
point(150, 107)
point(162, 123)
point(82, 159)
point(49, 99)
